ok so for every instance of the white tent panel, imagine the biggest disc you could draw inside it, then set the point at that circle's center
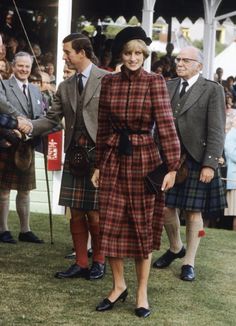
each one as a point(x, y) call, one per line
point(226, 60)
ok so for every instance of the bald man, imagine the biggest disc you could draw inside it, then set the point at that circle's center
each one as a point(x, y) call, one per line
point(199, 109)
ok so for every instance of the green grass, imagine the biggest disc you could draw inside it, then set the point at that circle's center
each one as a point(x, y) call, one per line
point(30, 295)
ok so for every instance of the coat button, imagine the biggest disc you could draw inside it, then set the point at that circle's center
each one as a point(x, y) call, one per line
point(209, 156)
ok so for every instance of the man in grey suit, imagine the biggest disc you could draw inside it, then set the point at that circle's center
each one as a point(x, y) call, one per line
point(199, 110)
point(77, 100)
point(20, 99)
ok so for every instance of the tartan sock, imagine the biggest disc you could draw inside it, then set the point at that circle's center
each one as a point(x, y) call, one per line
point(4, 209)
point(193, 226)
point(23, 209)
point(172, 227)
point(95, 240)
point(79, 232)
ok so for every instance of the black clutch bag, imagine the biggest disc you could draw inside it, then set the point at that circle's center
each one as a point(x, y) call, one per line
point(154, 179)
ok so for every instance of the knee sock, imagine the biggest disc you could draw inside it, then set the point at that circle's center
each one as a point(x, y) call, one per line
point(23, 209)
point(95, 240)
point(194, 232)
point(79, 232)
point(4, 209)
point(172, 227)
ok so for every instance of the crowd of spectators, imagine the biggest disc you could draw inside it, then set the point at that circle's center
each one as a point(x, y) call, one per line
point(40, 47)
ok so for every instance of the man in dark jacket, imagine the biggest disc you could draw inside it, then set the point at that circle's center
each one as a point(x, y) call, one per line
point(199, 110)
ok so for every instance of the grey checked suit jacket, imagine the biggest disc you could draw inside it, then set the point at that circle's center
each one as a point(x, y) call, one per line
point(12, 99)
point(201, 121)
point(65, 105)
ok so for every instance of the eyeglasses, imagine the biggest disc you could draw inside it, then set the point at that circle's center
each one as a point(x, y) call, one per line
point(184, 60)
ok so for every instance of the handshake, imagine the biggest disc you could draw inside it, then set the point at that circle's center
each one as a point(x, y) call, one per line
point(24, 125)
point(13, 130)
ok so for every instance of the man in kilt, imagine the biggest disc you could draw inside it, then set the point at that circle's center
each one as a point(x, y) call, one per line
point(76, 100)
point(199, 112)
point(20, 99)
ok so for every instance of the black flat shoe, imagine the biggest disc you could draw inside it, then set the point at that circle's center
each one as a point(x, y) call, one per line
point(142, 312)
point(7, 237)
point(187, 273)
point(168, 257)
point(106, 304)
point(97, 271)
point(73, 271)
point(29, 237)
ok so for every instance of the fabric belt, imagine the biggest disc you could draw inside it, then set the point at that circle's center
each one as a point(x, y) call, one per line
point(125, 145)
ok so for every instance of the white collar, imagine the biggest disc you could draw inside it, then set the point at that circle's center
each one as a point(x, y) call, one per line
point(20, 83)
point(190, 81)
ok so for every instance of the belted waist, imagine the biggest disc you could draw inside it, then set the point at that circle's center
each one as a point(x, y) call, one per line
point(130, 131)
point(125, 145)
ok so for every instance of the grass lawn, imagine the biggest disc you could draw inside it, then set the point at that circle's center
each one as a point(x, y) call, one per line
point(30, 295)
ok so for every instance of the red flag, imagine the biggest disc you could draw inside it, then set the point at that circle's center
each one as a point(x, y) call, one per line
point(54, 151)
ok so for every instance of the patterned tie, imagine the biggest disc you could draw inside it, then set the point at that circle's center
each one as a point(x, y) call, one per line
point(24, 91)
point(80, 84)
point(183, 90)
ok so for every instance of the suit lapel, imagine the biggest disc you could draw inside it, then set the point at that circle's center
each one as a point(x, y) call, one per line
point(72, 92)
point(92, 84)
point(194, 94)
point(173, 86)
point(18, 93)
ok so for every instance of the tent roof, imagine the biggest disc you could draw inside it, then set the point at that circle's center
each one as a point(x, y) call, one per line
point(99, 9)
point(226, 61)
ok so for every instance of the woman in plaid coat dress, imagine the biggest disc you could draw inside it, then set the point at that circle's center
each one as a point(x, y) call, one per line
point(130, 103)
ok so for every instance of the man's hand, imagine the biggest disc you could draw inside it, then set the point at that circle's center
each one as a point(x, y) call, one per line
point(207, 174)
point(24, 125)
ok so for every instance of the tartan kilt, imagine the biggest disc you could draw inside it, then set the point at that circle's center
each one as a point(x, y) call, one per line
point(194, 195)
point(78, 192)
point(11, 177)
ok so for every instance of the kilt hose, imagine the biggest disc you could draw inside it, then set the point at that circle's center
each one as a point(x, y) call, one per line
point(13, 178)
point(78, 192)
point(194, 195)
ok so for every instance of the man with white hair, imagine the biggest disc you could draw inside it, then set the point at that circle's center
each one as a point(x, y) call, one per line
point(18, 98)
point(199, 110)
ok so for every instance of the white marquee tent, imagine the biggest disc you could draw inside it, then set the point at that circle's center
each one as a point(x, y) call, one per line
point(226, 60)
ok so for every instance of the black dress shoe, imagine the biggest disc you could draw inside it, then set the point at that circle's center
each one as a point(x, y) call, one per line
point(106, 304)
point(168, 257)
point(142, 312)
point(72, 272)
point(29, 237)
point(90, 252)
point(97, 271)
point(187, 273)
point(7, 237)
point(72, 255)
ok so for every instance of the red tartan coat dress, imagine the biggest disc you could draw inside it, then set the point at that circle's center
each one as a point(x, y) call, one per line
point(131, 219)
